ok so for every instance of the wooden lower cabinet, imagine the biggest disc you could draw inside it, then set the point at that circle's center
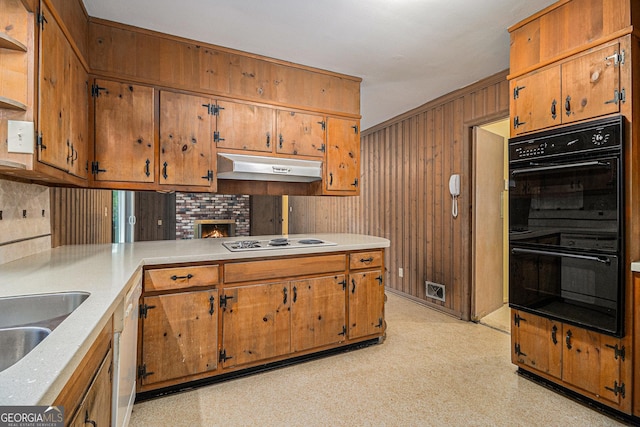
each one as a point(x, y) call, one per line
point(254, 312)
point(579, 359)
point(95, 409)
point(179, 335)
point(86, 398)
point(366, 303)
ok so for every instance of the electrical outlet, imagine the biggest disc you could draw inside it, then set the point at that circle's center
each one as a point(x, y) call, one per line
point(400, 272)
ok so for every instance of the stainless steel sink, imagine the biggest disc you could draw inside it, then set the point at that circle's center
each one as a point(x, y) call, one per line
point(15, 343)
point(44, 310)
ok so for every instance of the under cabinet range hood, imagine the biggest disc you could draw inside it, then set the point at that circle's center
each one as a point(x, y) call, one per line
point(261, 168)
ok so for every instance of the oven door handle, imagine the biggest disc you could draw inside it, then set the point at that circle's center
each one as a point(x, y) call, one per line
point(602, 259)
point(563, 166)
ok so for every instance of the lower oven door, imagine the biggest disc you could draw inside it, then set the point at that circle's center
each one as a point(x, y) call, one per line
point(578, 288)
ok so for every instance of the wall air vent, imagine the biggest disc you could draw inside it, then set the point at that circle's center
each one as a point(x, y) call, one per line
point(435, 290)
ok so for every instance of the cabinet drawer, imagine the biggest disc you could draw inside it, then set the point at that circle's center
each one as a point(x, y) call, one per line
point(365, 260)
point(282, 268)
point(180, 277)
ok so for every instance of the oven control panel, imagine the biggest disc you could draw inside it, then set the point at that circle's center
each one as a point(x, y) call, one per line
point(587, 137)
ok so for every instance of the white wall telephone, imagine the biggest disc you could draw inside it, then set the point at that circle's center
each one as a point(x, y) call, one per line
point(454, 189)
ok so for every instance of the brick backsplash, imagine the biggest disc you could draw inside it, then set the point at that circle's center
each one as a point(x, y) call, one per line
point(193, 206)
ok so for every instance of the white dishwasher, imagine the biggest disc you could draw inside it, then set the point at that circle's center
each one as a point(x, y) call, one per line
point(125, 342)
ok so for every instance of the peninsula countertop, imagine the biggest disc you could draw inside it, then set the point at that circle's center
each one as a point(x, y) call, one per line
point(107, 272)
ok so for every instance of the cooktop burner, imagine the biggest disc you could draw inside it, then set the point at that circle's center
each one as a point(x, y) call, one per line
point(276, 243)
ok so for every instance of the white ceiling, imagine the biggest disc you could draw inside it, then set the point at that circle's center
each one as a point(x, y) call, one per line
point(407, 52)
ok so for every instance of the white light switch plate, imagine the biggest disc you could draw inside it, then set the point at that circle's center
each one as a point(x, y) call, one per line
point(20, 137)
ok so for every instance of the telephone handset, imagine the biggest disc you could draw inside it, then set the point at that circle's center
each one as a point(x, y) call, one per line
point(454, 189)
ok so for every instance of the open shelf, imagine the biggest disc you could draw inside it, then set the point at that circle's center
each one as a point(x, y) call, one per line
point(11, 104)
point(8, 42)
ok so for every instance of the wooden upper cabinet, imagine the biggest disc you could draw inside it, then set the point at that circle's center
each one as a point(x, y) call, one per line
point(536, 342)
point(318, 315)
point(591, 84)
point(243, 126)
point(342, 164)
point(186, 140)
point(583, 87)
point(54, 104)
point(300, 134)
point(536, 101)
point(124, 132)
point(15, 48)
point(78, 144)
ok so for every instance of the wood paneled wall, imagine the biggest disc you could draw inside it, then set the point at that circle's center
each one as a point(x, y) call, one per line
point(406, 164)
point(80, 216)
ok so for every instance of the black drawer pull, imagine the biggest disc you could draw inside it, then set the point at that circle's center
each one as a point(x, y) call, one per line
point(188, 276)
point(366, 260)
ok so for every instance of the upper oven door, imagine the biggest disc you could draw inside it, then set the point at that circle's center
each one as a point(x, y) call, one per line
point(572, 202)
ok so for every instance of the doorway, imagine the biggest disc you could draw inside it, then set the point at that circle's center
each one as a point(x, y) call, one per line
point(489, 296)
point(266, 215)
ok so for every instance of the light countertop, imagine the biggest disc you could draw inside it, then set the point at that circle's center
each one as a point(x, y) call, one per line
point(107, 272)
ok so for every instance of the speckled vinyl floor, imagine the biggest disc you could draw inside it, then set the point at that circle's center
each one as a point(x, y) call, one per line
point(432, 370)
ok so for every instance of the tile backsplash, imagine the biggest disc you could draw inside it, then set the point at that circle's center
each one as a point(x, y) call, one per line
point(25, 225)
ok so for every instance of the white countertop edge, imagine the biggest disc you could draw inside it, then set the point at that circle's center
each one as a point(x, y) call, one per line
point(107, 272)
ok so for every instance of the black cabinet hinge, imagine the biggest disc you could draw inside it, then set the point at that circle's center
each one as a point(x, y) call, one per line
point(39, 144)
point(42, 20)
point(142, 371)
point(144, 309)
point(617, 389)
point(355, 183)
point(517, 319)
point(617, 352)
point(518, 351)
point(216, 137)
point(95, 168)
point(516, 91)
point(223, 300)
point(379, 279)
point(324, 125)
point(355, 129)
point(344, 331)
point(322, 148)
point(380, 323)
point(343, 283)
point(517, 123)
point(95, 90)
point(208, 176)
point(223, 356)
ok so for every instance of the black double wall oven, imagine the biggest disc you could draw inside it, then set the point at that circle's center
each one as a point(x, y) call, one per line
point(566, 220)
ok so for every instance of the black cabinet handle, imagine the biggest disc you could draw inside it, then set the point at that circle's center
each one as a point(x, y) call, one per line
point(295, 294)
point(268, 139)
point(567, 105)
point(366, 260)
point(330, 178)
point(188, 276)
point(284, 291)
point(568, 340)
point(554, 331)
point(280, 140)
point(353, 289)
point(88, 421)
point(147, 172)
point(164, 170)
point(553, 109)
point(211, 300)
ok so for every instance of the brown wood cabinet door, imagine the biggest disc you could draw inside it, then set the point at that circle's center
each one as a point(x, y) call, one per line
point(256, 323)
point(124, 132)
point(300, 134)
point(317, 312)
point(244, 127)
point(77, 156)
point(186, 140)
point(53, 113)
point(589, 361)
point(343, 155)
point(95, 408)
point(179, 335)
point(366, 303)
point(536, 101)
point(536, 342)
point(591, 85)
